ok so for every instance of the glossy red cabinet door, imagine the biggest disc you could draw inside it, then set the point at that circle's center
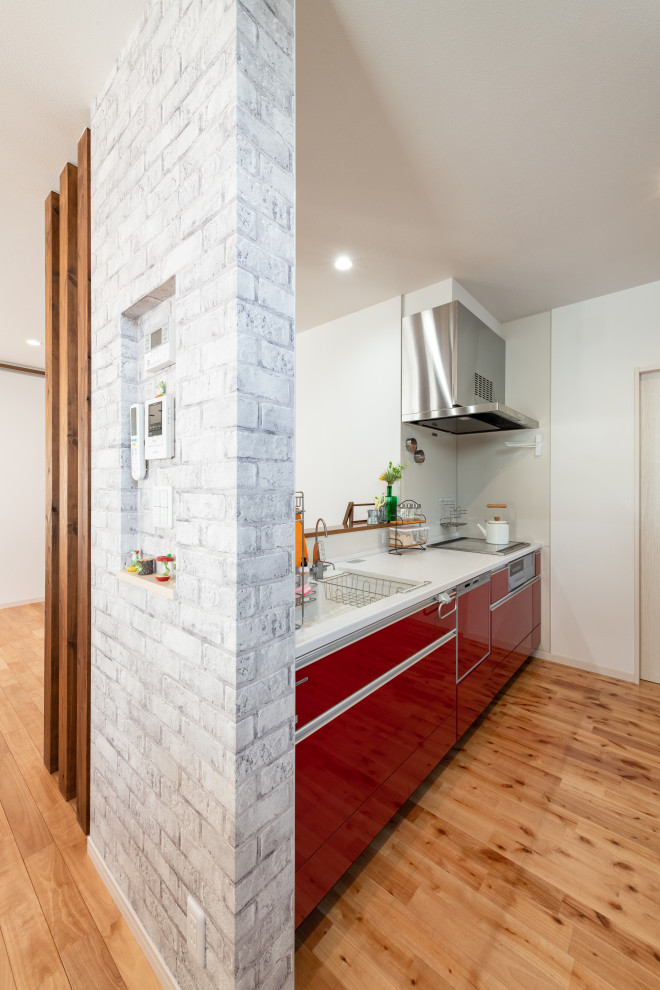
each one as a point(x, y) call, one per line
point(510, 623)
point(507, 667)
point(343, 764)
point(499, 585)
point(473, 694)
point(322, 684)
point(472, 624)
point(536, 604)
point(323, 869)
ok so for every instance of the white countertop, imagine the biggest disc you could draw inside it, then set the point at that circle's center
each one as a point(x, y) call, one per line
point(442, 569)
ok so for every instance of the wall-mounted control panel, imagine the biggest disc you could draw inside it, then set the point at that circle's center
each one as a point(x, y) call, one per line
point(162, 506)
point(138, 465)
point(159, 346)
point(159, 427)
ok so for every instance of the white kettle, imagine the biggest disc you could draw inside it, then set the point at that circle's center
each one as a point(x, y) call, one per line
point(497, 529)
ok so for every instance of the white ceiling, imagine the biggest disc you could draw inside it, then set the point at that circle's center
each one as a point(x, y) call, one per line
point(55, 59)
point(512, 145)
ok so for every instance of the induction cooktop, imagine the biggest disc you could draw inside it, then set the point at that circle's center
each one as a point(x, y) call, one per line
point(472, 545)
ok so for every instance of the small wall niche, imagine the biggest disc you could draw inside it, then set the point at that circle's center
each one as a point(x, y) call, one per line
point(148, 332)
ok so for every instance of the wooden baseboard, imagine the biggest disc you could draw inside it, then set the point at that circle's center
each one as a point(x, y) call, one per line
point(150, 951)
point(592, 668)
point(27, 601)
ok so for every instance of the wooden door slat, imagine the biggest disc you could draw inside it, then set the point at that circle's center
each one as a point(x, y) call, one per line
point(52, 342)
point(84, 481)
point(68, 557)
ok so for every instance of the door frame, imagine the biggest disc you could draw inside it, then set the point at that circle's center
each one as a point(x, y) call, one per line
point(651, 369)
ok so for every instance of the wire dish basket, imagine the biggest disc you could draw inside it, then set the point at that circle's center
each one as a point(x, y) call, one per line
point(358, 590)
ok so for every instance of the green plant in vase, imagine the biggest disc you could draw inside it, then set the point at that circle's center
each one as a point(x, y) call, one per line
point(391, 474)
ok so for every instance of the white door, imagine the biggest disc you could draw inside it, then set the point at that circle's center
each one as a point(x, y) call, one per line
point(649, 540)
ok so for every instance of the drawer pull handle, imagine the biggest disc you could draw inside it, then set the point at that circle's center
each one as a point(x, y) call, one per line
point(298, 683)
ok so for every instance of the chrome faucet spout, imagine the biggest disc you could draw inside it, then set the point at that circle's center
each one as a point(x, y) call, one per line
point(325, 528)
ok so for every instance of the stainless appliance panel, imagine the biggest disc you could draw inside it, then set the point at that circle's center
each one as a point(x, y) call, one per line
point(428, 361)
point(521, 571)
point(474, 545)
point(453, 373)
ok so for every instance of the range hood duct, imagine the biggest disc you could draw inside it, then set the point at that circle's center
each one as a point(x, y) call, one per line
point(452, 373)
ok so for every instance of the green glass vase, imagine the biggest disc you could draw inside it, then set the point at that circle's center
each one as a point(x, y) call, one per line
point(390, 503)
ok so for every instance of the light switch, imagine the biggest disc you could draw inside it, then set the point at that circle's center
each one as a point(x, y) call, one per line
point(162, 506)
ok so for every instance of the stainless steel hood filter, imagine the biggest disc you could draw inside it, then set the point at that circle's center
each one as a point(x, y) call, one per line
point(452, 371)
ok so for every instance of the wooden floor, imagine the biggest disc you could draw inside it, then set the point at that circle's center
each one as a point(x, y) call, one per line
point(529, 860)
point(59, 927)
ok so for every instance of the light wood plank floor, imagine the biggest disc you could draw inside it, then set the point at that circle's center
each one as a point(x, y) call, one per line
point(59, 928)
point(530, 859)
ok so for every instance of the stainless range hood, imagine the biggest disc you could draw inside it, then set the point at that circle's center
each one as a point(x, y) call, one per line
point(452, 373)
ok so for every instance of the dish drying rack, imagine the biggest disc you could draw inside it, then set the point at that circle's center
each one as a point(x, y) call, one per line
point(358, 590)
point(451, 514)
point(302, 569)
point(409, 531)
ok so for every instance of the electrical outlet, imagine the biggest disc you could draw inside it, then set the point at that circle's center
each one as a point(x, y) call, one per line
point(196, 931)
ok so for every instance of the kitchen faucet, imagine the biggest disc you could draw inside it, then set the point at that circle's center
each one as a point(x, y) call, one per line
point(319, 566)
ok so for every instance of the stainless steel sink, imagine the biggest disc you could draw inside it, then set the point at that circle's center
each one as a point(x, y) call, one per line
point(347, 590)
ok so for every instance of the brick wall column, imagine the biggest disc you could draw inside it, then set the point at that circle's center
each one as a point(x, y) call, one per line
point(192, 698)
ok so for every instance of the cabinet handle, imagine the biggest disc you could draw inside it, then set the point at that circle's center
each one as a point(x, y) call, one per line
point(298, 683)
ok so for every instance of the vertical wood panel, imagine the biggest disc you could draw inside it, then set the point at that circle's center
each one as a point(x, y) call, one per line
point(68, 557)
point(84, 455)
point(51, 631)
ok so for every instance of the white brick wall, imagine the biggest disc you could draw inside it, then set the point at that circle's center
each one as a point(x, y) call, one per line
point(192, 699)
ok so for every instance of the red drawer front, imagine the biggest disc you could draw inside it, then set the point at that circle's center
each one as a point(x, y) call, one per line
point(536, 604)
point(322, 870)
point(326, 682)
point(536, 638)
point(537, 564)
point(510, 623)
point(499, 585)
point(507, 667)
point(473, 628)
point(340, 765)
point(473, 694)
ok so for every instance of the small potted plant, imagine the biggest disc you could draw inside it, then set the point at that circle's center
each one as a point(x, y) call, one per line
point(391, 474)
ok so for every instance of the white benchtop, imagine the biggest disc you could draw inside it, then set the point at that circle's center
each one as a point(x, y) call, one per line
point(443, 569)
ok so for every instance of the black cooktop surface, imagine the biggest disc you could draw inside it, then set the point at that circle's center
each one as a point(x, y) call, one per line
point(472, 545)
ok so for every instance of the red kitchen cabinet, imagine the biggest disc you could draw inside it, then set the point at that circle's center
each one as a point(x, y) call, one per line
point(499, 585)
point(324, 683)
point(316, 876)
point(536, 604)
point(353, 773)
point(472, 627)
point(473, 694)
point(511, 622)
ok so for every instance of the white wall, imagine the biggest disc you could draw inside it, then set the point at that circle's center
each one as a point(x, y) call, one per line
point(596, 345)
point(348, 409)
point(489, 471)
point(432, 480)
point(23, 490)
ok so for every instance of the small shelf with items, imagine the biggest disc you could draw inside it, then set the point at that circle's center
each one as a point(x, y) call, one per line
point(409, 531)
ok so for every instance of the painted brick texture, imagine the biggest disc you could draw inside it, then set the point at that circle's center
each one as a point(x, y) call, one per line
point(192, 699)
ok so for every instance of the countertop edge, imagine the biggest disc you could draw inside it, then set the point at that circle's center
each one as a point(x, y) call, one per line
point(326, 633)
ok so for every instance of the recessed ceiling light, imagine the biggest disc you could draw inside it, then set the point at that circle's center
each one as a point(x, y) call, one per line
point(33, 343)
point(343, 263)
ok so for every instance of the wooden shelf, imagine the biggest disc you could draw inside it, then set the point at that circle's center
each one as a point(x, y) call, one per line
point(362, 528)
point(166, 589)
point(358, 528)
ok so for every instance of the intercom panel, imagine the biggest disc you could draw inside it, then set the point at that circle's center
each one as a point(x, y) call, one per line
point(159, 427)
